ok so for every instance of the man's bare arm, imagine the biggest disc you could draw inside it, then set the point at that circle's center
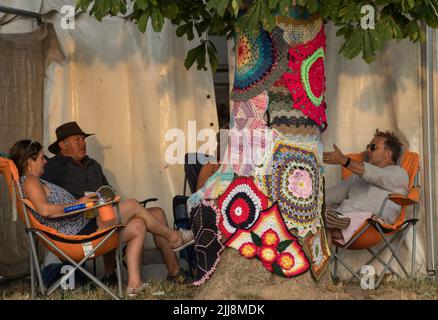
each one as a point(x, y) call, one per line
point(336, 157)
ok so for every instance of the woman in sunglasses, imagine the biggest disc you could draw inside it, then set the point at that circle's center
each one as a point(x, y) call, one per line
point(360, 197)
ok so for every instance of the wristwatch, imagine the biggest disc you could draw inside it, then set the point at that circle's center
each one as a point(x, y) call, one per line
point(345, 165)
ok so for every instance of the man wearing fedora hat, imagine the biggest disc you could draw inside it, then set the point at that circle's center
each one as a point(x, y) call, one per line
point(72, 169)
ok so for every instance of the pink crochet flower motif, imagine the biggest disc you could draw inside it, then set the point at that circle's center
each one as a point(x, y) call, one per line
point(300, 183)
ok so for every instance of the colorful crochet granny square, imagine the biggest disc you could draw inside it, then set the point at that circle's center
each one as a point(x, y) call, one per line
point(218, 182)
point(208, 245)
point(246, 148)
point(249, 114)
point(240, 206)
point(260, 60)
point(213, 187)
point(318, 251)
point(271, 242)
point(297, 31)
point(292, 176)
point(305, 78)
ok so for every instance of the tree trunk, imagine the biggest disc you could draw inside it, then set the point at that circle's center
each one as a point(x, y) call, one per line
point(239, 278)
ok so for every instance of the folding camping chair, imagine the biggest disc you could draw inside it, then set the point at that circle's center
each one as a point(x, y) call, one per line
point(75, 249)
point(372, 232)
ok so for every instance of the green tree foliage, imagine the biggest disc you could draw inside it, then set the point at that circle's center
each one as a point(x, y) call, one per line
point(394, 20)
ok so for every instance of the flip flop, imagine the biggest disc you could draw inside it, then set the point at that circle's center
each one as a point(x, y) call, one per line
point(186, 240)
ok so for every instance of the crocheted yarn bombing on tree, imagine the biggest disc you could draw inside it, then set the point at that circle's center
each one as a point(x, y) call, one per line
point(248, 136)
point(318, 252)
point(218, 182)
point(208, 245)
point(246, 148)
point(299, 31)
point(215, 185)
point(305, 78)
point(240, 206)
point(270, 241)
point(280, 112)
point(292, 176)
point(260, 60)
point(249, 113)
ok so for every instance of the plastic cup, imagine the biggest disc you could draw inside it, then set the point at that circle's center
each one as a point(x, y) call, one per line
point(106, 213)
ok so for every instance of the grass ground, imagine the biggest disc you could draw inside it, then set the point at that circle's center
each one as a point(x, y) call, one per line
point(398, 289)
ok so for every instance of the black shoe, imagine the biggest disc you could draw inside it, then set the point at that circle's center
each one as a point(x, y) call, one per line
point(180, 278)
point(110, 279)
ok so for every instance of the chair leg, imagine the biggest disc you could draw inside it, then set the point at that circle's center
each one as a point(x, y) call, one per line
point(76, 265)
point(375, 256)
point(32, 275)
point(335, 269)
point(394, 252)
point(346, 266)
point(394, 256)
point(34, 257)
point(119, 270)
point(414, 245)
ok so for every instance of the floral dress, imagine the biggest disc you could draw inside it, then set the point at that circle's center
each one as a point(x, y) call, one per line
point(69, 225)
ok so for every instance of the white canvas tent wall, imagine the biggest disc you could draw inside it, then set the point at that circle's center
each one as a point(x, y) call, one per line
point(387, 94)
point(130, 89)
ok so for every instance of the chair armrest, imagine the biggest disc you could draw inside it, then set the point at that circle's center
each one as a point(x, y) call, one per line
point(413, 197)
point(401, 200)
point(144, 202)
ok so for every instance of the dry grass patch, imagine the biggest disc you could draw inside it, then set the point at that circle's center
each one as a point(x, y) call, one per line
point(158, 290)
point(391, 289)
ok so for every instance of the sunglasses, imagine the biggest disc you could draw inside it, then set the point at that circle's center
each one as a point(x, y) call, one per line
point(30, 143)
point(371, 146)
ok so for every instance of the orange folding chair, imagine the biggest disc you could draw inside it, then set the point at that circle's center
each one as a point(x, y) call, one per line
point(75, 249)
point(371, 232)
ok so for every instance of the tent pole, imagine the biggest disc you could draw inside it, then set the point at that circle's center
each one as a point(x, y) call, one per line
point(20, 12)
point(429, 190)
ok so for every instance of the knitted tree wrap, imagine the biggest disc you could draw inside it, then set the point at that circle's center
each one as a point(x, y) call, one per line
point(260, 61)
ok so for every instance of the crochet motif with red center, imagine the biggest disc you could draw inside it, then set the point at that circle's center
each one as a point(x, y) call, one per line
point(305, 79)
point(240, 206)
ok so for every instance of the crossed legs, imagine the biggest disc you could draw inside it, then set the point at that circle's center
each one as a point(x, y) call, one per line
point(138, 221)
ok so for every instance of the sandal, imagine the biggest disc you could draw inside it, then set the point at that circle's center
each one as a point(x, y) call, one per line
point(133, 292)
point(186, 240)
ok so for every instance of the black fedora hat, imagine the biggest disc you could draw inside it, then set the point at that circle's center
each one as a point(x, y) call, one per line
point(64, 131)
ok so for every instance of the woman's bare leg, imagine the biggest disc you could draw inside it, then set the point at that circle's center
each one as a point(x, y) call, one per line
point(131, 209)
point(134, 236)
point(163, 245)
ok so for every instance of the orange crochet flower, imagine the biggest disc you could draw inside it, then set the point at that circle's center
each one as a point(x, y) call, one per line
point(248, 250)
point(268, 254)
point(286, 261)
point(270, 238)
